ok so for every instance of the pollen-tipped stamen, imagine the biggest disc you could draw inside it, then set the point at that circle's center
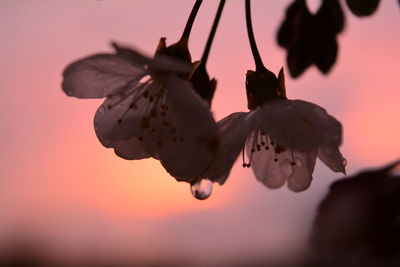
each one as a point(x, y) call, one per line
point(293, 162)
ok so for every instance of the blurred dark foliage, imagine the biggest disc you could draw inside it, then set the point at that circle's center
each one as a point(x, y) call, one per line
point(362, 8)
point(311, 38)
point(358, 222)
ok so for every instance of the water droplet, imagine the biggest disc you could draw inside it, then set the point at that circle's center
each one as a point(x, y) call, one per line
point(344, 161)
point(202, 189)
point(286, 167)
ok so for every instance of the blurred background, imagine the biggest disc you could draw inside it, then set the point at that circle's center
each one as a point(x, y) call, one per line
point(65, 198)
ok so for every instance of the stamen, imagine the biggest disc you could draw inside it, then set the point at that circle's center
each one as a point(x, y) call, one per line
point(255, 135)
point(243, 160)
point(110, 106)
point(129, 89)
point(275, 150)
point(293, 162)
point(258, 146)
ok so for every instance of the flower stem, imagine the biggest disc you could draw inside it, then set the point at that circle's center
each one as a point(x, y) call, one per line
point(256, 55)
point(189, 23)
point(212, 32)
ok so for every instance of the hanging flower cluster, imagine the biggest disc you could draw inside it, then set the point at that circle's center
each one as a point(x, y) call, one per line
point(159, 107)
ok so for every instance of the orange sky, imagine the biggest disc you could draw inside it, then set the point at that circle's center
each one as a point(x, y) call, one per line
point(59, 185)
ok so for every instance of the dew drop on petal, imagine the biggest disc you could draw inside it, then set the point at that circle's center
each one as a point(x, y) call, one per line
point(202, 189)
point(286, 168)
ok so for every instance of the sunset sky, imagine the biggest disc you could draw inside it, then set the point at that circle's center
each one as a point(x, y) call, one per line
point(61, 190)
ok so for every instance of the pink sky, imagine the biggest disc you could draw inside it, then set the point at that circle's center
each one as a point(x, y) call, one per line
point(58, 184)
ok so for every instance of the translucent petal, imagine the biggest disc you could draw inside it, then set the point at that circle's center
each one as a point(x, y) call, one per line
point(99, 75)
point(288, 126)
point(299, 125)
point(273, 167)
point(332, 158)
point(264, 167)
point(232, 131)
point(189, 149)
point(158, 63)
point(115, 120)
point(130, 149)
point(301, 178)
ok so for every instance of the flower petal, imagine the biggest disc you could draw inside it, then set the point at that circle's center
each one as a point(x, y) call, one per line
point(99, 75)
point(132, 117)
point(273, 166)
point(232, 131)
point(332, 158)
point(187, 151)
point(301, 178)
point(115, 120)
point(266, 170)
point(299, 125)
point(130, 149)
point(158, 63)
point(289, 125)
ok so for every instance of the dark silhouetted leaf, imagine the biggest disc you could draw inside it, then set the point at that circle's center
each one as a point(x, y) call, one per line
point(311, 39)
point(362, 8)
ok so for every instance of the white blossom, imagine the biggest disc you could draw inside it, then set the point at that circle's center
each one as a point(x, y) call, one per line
point(150, 109)
point(288, 136)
